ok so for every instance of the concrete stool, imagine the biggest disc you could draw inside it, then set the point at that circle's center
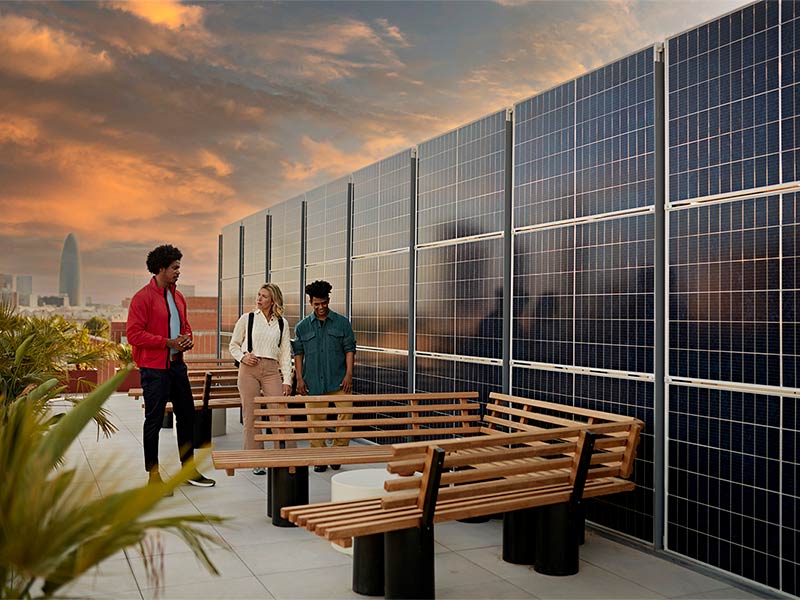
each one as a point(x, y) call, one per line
point(368, 563)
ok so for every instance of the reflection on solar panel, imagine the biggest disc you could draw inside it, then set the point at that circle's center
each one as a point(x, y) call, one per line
point(442, 375)
point(791, 286)
point(725, 292)
point(725, 476)
point(255, 243)
point(326, 222)
point(230, 251)
point(381, 205)
point(380, 373)
point(544, 157)
point(723, 105)
point(461, 181)
point(459, 298)
point(334, 273)
point(380, 301)
point(287, 225)
point(615, 136)
point(289, 282)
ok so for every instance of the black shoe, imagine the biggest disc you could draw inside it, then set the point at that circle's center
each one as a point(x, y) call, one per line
point(320, 468)
point(336, 467)
point(201, 481)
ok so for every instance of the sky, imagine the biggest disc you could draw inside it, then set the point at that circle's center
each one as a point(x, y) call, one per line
point(138, 123)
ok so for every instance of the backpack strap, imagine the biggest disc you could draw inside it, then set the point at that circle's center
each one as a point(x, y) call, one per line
point(250, 318)
point(280, 335)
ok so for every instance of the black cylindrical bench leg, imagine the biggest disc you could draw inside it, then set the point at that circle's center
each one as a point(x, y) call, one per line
point(556, 531)
point(409, 563)
point(269, 493)
point(288, 489)
point(368, 565)
point(519, 536)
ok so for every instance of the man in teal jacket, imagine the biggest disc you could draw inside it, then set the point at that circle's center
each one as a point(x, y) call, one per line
point(324, 352)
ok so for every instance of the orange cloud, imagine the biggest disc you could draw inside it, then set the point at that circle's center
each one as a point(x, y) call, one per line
point(35, 51)
point(18, 130)
point(166, 13)
point(210, 160)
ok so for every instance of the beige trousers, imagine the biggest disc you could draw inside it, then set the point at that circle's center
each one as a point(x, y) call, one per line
point(262, 380)
point(341, 417)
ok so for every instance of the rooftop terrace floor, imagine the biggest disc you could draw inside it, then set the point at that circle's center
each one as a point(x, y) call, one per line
point(271, 562)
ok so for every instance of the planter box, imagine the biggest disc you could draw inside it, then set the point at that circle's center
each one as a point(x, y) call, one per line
point(81, 381)
point(131, 381)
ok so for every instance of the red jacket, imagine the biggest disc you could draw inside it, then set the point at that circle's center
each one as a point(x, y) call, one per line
point(148, 324)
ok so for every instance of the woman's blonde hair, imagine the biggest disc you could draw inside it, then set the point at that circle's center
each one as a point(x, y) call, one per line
point(277, 298)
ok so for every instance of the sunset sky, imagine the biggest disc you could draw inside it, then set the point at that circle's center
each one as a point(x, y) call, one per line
point(133, 124)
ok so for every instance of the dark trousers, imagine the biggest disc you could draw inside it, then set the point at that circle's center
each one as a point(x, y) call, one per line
point(158, 387)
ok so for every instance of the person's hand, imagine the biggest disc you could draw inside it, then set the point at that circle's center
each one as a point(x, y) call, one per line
point(186, 342)
point(287, 389)
point(347, 384)
point(301, 387)
point(249, 359)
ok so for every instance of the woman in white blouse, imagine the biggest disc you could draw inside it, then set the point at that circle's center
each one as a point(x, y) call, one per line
point(267, 370)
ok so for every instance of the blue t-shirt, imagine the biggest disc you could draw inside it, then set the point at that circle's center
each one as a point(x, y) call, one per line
point(174, 319)
point(324, 345)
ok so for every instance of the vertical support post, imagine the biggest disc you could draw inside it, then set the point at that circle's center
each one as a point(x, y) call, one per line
point(348, 274)
point(508, 254)
point(302, 265)
point(660, 314)
point(412, 273)
point(219, 296)
point(241, 270)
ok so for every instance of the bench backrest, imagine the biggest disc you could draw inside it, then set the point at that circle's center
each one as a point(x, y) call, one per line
point(375, 417)
point(214, 384)
point(505, 464)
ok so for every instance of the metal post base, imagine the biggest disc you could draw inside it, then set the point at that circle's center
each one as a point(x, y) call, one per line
point(368, 565)
point(409, 565)
point(519, 536)
point(287, 489)
point(557, 534)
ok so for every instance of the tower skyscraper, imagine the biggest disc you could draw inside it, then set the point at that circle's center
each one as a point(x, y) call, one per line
point(69, 276)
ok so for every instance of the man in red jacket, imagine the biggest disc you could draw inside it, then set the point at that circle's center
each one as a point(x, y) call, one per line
point(160, 333)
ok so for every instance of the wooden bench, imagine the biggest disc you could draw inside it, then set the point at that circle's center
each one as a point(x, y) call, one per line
point(374, 417)
point(543, 475)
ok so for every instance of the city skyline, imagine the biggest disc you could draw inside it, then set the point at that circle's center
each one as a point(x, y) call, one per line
point(134, 124)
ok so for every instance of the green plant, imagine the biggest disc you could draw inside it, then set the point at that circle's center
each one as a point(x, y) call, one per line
point(36, 349)
point(97, 326)
point(52, 529)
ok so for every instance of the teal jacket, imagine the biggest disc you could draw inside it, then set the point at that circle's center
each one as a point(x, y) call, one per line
point(323, 345)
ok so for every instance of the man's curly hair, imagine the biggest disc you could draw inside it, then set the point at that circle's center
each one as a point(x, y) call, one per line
point(162, 257)
point(319, 289)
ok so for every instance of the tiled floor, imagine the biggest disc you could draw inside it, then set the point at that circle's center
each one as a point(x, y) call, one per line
point(271, 562)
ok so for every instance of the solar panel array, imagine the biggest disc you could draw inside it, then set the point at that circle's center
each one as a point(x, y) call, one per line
point(585, 274)
point(732, 463)
point(381, 271)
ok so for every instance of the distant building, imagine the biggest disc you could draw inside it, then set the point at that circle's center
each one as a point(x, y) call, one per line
point(69, 276)
point(61, 300)
point(6, 281)
point(24, 289)
point(9, 297)
point(203, 319)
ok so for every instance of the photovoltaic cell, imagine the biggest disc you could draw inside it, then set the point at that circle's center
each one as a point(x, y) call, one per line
point(724, 504)
point(790, 273)
point(381, 205)
point(544, 157)
point(289, 282)
point(380, 373)
point(725, 292)
point(543, 327)
point(790, 94)
point(287, 224)
point(326, 222)
point(441, 375)
point(230, 251)
point(230, 304)
point(255, 243)
point(251, 285)
point(723, 112)
point(334, 273)
point(614, 311)
point(615, 136)
point(380, 300)
point(459, 298)
point(461, 181)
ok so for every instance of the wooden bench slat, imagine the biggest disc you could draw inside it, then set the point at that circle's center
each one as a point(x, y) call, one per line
point(391, 422)
point(432, 432)
point(361, 410)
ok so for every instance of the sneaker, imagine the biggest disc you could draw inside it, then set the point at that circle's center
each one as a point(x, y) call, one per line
point(259, 471)
point(201, 481)
point(320, 468)
point(336, 467)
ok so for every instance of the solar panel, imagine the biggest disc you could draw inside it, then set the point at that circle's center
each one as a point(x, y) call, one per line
point(461, 181)
point(326, 222)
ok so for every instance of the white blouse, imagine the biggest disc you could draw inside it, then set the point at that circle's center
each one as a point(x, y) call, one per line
point(265, 342)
